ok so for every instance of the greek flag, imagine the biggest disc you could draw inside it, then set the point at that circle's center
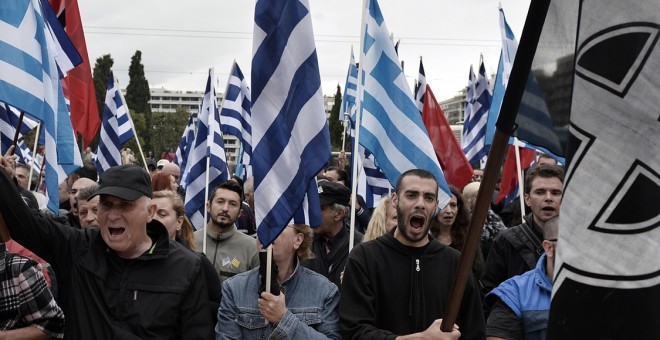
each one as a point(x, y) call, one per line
point(115, 121)
point(348, 100)
point(392, 128)
point(420, 87)
point(290, 134)
point(236, 118)
point(9, 117)
point(474, 128)
point(206, 159)
point(372, 183)
point(29, 81)
point(181, 155)
point(507, 56)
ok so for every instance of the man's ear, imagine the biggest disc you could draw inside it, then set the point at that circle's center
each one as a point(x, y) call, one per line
point(395, 200)
point(151, 210)
point(526, 197)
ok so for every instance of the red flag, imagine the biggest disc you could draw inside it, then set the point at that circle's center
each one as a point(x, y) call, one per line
point(509, 184)
point(455, 165)
point(78, 85)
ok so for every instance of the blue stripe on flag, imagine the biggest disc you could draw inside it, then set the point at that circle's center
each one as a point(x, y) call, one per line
point(108, 153)
point(207, 147)
point(291, 142)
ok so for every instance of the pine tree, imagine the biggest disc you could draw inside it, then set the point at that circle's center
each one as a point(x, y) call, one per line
point(138, 95)
point(334, 124)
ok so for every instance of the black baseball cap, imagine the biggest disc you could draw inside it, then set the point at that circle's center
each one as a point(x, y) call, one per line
point(128, 182)
point(332, 192)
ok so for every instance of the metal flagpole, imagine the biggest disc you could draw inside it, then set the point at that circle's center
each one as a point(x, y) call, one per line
point(34, 156)
point(521, 189)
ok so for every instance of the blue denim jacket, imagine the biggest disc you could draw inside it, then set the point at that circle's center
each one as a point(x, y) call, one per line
point(311, 301)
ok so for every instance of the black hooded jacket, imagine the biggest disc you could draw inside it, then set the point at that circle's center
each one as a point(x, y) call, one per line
point(390, 289)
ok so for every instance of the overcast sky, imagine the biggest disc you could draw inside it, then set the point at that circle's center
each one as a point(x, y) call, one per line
point(181, 40)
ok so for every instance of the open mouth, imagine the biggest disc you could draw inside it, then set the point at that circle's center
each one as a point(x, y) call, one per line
point(115, 232)
point(549, 209)
point(417, 222)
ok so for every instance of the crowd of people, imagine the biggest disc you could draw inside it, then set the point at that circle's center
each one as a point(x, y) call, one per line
point(122, 260)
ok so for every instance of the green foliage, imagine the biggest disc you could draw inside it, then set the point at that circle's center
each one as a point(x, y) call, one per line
point(138, 95)
point(335, 125)
point(140, 126)
point(167, 129)
point(101, 70)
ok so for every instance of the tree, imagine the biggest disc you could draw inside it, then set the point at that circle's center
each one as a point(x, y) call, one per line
point(139, 122)
point(336, 126)
point(101, 70)
point(168, 128)
point(138, 95)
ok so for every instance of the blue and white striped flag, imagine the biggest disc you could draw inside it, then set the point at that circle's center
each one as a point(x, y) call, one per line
point(29, 81)
point(392, 128)
point(420, 87)
point(469, 101)
point(236, 118)
point(507, 56)
point(474, 128)
point(181, 155)
point(9, 117)
point(206, 157)
point(108, 153)
point(348, 100)
point(290, 132)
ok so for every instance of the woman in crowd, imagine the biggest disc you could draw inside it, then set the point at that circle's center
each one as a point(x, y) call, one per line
point(163, 181)
point(450, 227)
point(383, 219)
point(171, 213)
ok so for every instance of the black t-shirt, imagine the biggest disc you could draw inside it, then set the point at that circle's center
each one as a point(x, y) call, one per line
point(503, 322)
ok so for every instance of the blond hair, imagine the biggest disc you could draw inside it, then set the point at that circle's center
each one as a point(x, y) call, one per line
point(186, 233)
point(378, 220)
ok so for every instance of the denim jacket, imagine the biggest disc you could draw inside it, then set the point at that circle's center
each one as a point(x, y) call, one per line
point(311, 302)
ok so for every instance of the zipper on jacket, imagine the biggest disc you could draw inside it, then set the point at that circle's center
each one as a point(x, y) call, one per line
point(135, 295)
point(417, 263)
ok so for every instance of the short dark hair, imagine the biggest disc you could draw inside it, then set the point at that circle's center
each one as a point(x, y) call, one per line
point(88, 170)
point(421, 173)
point(228, 185)
point(85, 193)
point(544, 171)
point(343, 174)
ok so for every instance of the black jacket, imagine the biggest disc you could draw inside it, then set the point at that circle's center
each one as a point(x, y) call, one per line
point(331, 264)
point(514, 251)
point(390, 289)
point(160, 295)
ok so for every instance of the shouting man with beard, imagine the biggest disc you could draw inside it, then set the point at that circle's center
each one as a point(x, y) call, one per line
point(518, 249)
point(397, 285)
point(230, 251)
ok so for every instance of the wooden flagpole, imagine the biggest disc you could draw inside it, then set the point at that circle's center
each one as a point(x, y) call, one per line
point(17, 133)
point(505, 127)
point(521, 188)
point(137, 139)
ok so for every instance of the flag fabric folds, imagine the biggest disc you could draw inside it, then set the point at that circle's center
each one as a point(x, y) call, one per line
point(29, 81)
point(235, 115)
point(181, 155)
point(78, 85)
point(290, 137)
point(607, 271)
point(108, 153)
point(455, 166)
point(206, 158)
point(420, 87)
point(509, 188)
point(507, 56)
point(9, 118)
point(391, 127)
point(372, 183)
point(348, 100)
point(474, 127)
